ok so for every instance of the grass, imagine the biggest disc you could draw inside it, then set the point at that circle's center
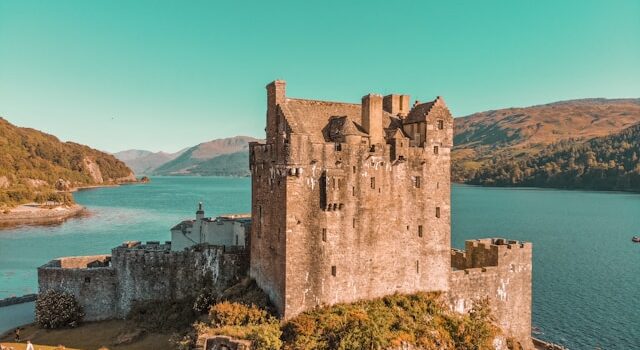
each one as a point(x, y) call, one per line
point(89, 336)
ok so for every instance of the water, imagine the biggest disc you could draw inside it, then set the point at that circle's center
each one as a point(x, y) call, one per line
point(586, 270)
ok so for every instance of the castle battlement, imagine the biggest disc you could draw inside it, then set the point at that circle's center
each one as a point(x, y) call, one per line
point(489, 252)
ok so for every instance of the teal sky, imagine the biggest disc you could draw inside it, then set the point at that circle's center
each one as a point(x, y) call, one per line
point(162, 75)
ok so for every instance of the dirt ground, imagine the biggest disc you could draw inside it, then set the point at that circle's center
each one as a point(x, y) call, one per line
point(89, 336)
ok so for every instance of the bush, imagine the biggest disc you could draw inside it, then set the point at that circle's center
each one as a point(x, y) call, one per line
point(235, 314)
point(204, 300)
point(56, 309)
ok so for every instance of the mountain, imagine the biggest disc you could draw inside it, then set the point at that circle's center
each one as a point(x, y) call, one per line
point(491, 140)
point(221, 157)
point(145, 162)
point(35, 166)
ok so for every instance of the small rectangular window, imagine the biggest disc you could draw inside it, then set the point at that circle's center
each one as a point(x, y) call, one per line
point(324, 234)
point(373, 183)
point(420, 231)
point(333, 271)
point(437, 212)
point(87, 280)
point(435, 149)
point(354, 222)
point(416, 182)
point(417, 266)
point(338, 147)
point(354, 169)
point(440, 124)
point(353, 191)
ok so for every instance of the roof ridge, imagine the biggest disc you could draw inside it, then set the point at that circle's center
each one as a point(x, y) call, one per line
point(322, 101)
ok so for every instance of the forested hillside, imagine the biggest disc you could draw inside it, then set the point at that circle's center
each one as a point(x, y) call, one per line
point(35, 166)
point(603, 163)
point(568, 144)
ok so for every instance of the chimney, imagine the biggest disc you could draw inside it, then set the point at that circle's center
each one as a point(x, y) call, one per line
point(397, 104)
point(275, 96)
point(372, 117)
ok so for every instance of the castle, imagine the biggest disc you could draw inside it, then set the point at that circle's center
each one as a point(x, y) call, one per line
point(349, 202)
point(353, 201)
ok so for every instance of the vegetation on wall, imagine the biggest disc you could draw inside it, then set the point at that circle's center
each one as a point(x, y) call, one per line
point(35, 166)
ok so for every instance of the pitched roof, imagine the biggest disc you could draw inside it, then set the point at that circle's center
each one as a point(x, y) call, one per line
point(314, 118)
point(419, 112)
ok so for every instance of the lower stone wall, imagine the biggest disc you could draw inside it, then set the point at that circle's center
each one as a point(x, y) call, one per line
point(108, 286)
point(507, 284)
point(94, 288)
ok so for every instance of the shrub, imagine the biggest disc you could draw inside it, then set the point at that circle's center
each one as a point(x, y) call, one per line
point(204, 300)
point(56, 309)
point(235, 314)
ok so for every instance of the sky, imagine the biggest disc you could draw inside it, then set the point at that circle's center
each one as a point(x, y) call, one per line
point(164, 75)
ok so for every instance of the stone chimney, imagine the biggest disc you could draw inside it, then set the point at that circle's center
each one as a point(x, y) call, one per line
point(396, 104)
point(276, 94)
point(372, 117)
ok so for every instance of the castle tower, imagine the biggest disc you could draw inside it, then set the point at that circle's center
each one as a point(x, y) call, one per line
point(350, 201)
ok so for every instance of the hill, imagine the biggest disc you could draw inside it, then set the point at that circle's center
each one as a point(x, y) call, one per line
point(521, 134)
point(145, 162)
point(229, 156)
point(602, 163)
point(35, 166)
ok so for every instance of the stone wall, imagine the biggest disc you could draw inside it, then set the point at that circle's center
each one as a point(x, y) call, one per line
point(95, 288)
point(499, 270)
point(138, 272)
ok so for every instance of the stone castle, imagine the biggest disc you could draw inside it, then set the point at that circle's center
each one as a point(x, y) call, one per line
point(353, 201)
point(349, 202)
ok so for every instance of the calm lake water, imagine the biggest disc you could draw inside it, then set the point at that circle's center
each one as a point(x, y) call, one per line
point(586, 270)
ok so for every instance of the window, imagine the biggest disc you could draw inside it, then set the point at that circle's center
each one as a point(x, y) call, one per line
point(338, 147)
point(333, 271)
point(353, 191)
point(237, 240)
point(417, 266)
point(420, 231)
point(87, 280)
point(416, 182)
point(437, 212)
point(354, 169)
point(324, 234)
point(440, 124)
point(373, 183)
point(435, 149)
point(354, 223)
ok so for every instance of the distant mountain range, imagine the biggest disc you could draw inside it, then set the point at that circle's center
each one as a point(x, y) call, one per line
point(586, 144)
point(221, 157)
point(35, 166)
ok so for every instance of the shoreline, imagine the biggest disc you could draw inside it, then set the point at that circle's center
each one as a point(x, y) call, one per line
point(28, 214)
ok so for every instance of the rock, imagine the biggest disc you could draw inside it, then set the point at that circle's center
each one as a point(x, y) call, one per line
point(63, 185)
point(129, 336)
point(4, 182)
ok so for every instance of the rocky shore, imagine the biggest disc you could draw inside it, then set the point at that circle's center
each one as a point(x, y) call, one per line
point(39, 214)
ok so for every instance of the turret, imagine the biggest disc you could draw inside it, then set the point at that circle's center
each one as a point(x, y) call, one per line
point(200, 212)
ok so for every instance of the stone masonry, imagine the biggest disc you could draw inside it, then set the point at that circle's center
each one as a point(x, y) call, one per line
point(107, 285)
point(352, 201)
